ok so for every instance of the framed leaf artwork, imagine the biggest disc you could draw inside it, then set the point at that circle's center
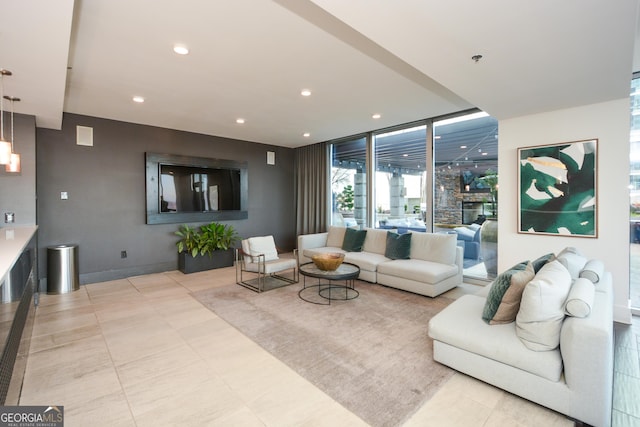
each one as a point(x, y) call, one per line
point(558, 189)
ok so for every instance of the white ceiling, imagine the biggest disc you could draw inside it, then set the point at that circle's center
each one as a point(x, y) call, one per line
point(251, 58)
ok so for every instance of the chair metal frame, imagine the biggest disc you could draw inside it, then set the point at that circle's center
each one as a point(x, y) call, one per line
point(261, 274)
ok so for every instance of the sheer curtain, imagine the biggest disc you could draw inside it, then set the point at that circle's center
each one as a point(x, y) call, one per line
point(311, 188)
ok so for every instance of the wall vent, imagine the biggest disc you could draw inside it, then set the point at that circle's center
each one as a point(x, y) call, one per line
point(84, 136)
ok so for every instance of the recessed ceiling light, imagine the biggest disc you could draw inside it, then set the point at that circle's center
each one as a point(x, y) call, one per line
point(180, 49)
point(376, 116)
point(305, 92)
point(306, 134)
point(485, 154)
point(240, 121)
point(405, 155)
point(138, 99)
point(463, 146)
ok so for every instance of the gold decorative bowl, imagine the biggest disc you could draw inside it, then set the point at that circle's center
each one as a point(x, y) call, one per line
point(328, 262)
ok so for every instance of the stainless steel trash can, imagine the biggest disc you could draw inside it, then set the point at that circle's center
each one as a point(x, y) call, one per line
point(62, 269)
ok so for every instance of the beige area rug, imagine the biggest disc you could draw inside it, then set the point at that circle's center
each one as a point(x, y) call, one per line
point(372, 354)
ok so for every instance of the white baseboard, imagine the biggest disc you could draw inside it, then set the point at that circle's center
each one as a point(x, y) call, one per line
point(622, 314)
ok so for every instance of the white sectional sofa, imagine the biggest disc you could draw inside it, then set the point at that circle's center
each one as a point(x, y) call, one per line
point(434, 266)
point(575, 378)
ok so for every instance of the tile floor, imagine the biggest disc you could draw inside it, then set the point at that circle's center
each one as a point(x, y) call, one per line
point(141, 351)
point(626, 379)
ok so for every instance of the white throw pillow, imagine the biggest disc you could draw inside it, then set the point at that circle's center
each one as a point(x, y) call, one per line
point(263, 245)
point(572, 260)
point(335, 236)
point(375, 242)
point(593, 270)
point(541, 313)
point(580, 299)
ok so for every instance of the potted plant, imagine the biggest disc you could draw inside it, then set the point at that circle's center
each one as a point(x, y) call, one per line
point(210, 246)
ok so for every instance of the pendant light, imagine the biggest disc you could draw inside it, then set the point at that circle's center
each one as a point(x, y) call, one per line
point(14, 164)
point(5, 146)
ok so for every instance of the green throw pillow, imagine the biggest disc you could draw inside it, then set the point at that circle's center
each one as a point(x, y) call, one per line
point(538, 263)
point(353, 240)
point(398, 245)
point(503, 301)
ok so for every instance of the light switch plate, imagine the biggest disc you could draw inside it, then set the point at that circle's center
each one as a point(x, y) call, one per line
point(64, 195)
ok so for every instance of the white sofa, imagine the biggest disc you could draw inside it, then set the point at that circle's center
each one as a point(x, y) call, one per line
point(434, 267)
point(575, 379)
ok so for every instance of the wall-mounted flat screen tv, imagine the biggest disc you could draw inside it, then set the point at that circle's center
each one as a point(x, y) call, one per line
point(473, 182)
point(198, 189)
point(194, 189)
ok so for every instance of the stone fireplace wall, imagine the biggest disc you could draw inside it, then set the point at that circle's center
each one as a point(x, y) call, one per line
point(448, 197)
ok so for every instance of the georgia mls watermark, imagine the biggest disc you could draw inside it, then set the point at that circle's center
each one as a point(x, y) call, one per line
point(31, 416)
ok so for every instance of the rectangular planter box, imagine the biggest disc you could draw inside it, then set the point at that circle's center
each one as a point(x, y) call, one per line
point(218, 259)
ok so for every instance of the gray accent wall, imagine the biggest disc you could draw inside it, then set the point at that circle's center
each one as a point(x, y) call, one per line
point(18, 190)
point(105, 210)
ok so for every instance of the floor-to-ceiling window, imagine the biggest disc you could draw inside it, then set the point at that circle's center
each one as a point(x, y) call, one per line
point(349, 182)
point(634, 197)
point(434, 175)
point(466, 187)
point(400, 179)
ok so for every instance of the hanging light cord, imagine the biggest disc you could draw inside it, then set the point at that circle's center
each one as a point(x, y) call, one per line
point(3, 73)
point(12, 150)
point(1, 105)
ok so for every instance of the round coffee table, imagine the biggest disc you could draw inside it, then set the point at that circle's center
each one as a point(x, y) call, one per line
point(328, 289)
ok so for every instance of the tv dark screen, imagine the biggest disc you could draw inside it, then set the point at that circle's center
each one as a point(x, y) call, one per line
point(473, 182)
point(191, 189)
point(198, 189)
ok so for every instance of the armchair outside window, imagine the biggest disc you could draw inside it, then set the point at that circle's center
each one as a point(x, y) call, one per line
point(259, 268)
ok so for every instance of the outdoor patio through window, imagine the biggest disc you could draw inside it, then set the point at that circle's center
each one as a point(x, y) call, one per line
point(458, 193)
point(466, 188)
point(401, 173)
point(349, 183)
